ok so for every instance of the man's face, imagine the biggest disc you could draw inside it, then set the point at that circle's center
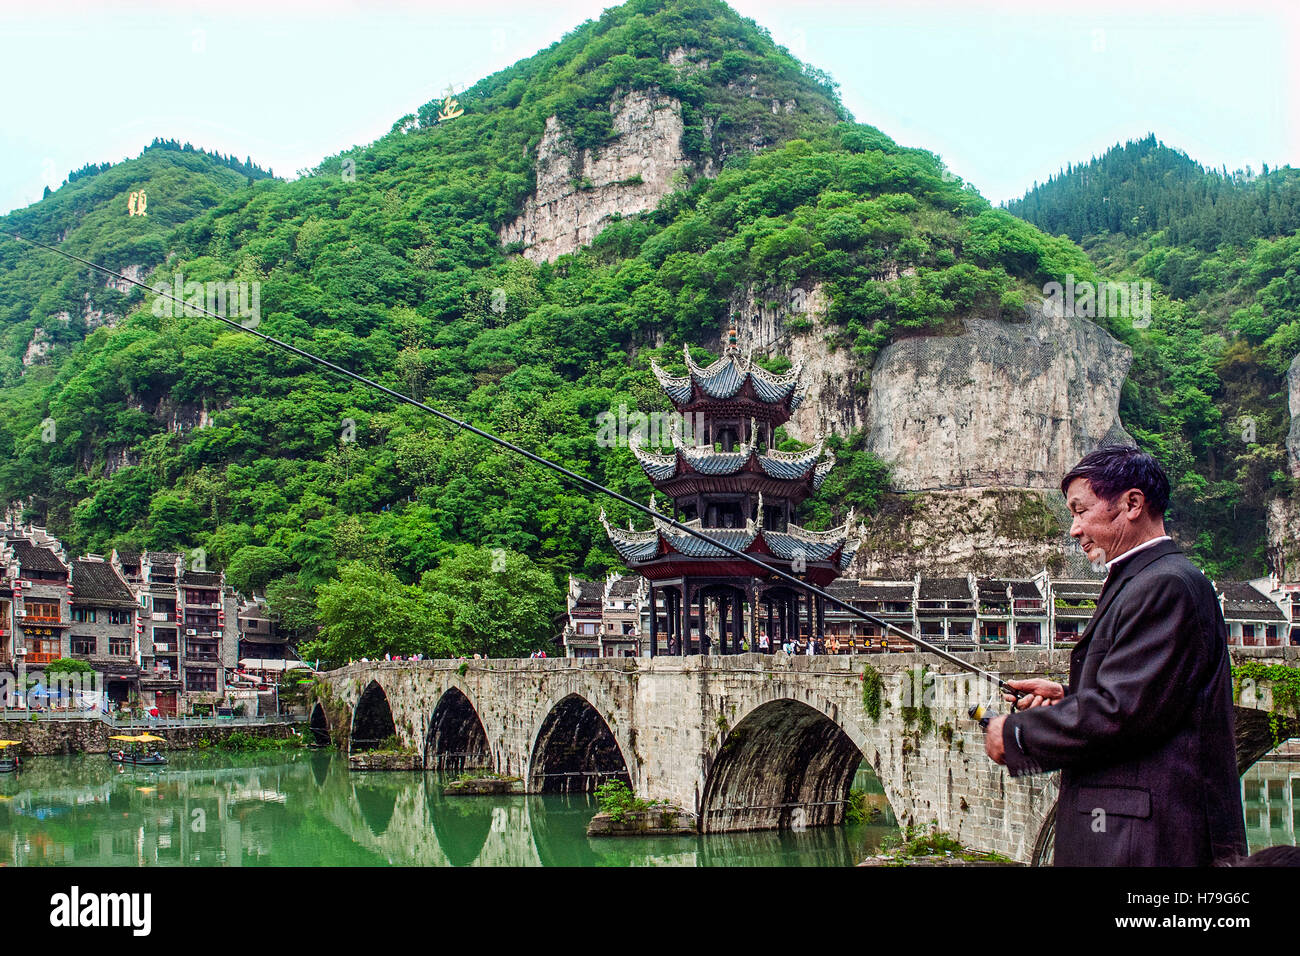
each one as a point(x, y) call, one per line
point(1098, 527)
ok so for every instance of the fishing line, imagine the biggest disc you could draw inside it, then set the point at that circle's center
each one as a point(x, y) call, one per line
point(585, 483)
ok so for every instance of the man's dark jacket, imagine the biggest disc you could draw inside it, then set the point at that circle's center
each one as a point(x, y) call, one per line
point(1144, 737)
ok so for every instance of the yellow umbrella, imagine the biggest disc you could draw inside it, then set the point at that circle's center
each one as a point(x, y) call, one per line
point(131, 740)
point(149, 738)
point(10, 743)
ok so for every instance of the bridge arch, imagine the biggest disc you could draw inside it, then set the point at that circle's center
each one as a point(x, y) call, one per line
point(574, 749)
point(456, 738)
point(318, 725)
point(372, 719)
point(786, 764)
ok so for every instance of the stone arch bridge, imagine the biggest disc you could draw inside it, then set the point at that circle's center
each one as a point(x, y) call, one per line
point(745, 742)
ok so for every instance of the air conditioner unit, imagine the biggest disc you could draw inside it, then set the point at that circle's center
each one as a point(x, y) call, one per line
point(27, 584)
point(20, 651)
point(218, 633)
point(191, 632)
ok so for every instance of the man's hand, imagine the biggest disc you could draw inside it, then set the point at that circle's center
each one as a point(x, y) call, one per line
point(1038, 691)
point(993, 739)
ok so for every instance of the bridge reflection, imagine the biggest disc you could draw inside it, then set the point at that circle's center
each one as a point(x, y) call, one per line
point(307, 809)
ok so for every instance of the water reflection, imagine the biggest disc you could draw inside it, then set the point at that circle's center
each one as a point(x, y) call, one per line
point(1270, 792)
point(307, 809)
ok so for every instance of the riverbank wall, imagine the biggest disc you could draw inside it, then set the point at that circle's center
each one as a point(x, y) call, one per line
point(90, 736)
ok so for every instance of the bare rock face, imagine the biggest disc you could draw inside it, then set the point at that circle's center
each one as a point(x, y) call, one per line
point(991, 531)
point(792, 322)
point(1005, 404)
point(37, 349)
point(136, 272)
point(1284, 513)
point(578, 191)
point(1293, 437)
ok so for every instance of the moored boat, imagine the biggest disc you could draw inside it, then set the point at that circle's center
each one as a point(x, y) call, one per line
point(11, 760)
point(137, 755)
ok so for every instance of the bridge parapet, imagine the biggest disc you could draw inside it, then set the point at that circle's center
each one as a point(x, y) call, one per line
point(747, 741)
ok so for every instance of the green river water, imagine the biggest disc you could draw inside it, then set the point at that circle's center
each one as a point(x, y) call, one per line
point(304, 808)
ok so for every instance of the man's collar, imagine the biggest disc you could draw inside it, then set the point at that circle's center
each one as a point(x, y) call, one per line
point(1134, 550)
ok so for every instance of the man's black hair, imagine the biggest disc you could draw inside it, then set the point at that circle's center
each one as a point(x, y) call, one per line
point(1112, 470)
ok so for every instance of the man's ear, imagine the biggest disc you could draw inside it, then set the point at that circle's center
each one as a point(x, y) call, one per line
point(1133, 503)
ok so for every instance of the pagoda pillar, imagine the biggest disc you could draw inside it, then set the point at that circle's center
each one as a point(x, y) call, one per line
point(654, 621)
point(812, 630)
point(738, 622)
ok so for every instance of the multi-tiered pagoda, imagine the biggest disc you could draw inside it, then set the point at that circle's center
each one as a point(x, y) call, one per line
point(733, 485)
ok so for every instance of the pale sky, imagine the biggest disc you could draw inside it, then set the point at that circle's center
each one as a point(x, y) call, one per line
point(1007, 92)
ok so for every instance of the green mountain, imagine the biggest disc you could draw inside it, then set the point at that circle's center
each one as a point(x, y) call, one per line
point(177, 432)
point(89, 216)
point(1208, 387)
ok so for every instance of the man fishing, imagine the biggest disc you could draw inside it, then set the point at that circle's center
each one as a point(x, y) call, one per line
point(1143, 734)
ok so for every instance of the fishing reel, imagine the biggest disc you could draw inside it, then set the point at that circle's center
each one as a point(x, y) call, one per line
point(981, 712)
point(986, 712)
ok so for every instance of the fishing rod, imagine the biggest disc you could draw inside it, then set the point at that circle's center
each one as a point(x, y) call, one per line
point(583, 482)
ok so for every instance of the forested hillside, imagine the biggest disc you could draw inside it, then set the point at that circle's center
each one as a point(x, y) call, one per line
point(180, 433)
point(1207, 389)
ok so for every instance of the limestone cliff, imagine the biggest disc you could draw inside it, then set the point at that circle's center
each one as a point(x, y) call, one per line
point(1284, 513)
point(1293, 437)
point(991, 531)
point(978, 427)
point(1005, 404)
point(578, 191)
point(792, 322)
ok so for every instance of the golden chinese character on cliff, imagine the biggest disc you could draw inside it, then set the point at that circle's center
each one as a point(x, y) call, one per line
point(450, 108)
point(136, 203)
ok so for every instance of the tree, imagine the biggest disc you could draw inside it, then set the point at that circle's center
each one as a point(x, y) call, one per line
point(492, 602)
point(365, 612)
point(252, 568)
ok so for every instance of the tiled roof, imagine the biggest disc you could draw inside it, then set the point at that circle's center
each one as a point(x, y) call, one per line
point(1242, 601)
point(788, 466)
point(940, 589)
point(590, 593)
point(997, 588)
point(96, 581)
point(33, 557)
point(626, 586)
point(201, 579)
point(856, 591)
point(1077, 590)
point(727, 376)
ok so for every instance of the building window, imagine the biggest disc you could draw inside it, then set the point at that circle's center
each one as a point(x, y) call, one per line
point(40, 611)
point(83, 645)
point(197, 680)
point(119, 646)
point(120, 617)
point(83, 615)
point(1029, 633)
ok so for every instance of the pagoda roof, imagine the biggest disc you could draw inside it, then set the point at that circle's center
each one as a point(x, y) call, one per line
point(837, 546)
point(704, 460)
point(726, 378)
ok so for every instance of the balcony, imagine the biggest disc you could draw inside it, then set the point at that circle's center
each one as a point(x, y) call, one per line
point(34, 619)
point(42, 657)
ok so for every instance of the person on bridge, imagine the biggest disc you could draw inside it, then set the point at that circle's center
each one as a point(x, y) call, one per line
point(1143, 734)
